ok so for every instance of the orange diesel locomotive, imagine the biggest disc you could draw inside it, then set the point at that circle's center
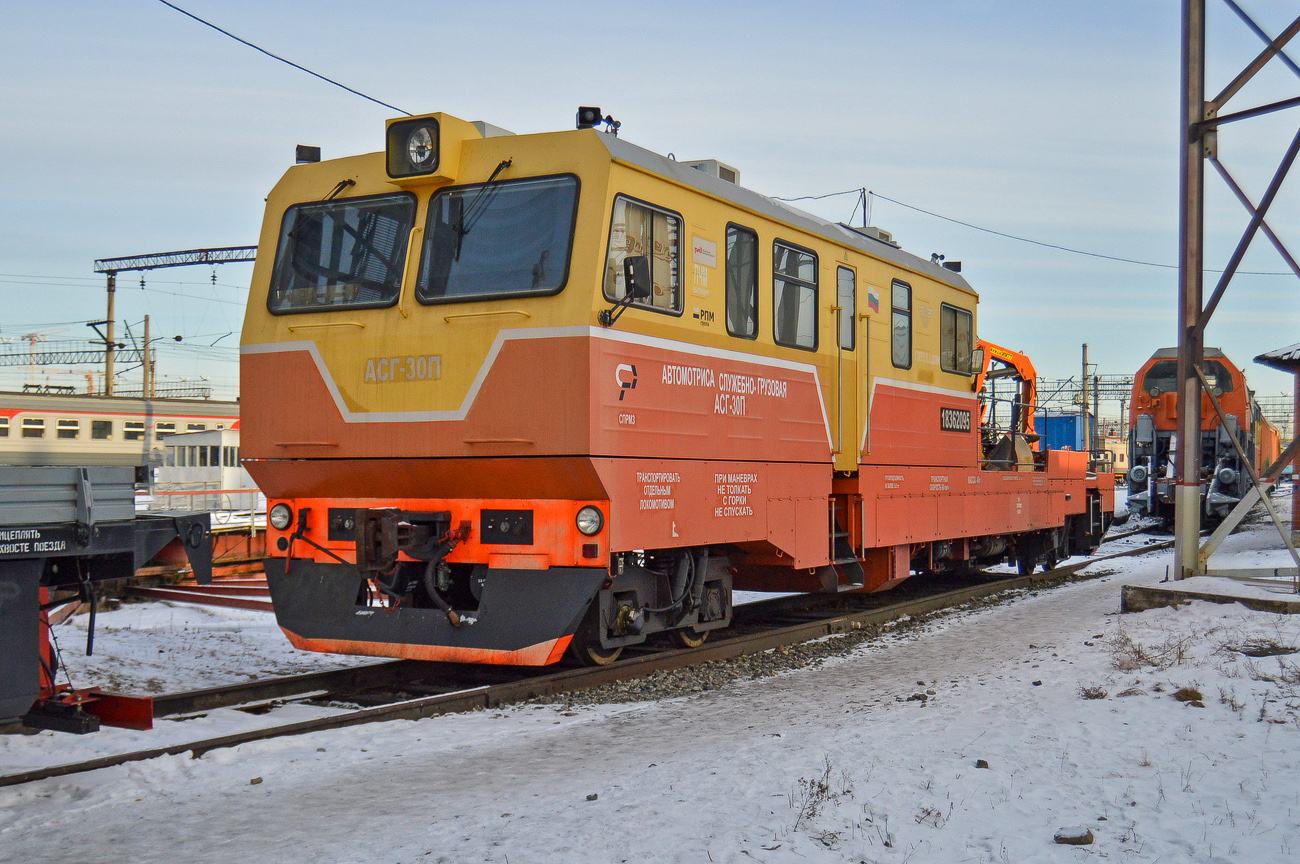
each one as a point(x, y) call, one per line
point(1153, 425)
point(512, 395)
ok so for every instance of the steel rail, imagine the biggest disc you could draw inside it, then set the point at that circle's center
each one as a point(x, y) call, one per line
point(567, 681)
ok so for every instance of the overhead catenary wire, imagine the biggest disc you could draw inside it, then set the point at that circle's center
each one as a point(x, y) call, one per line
point(281, 59)
point(870, 194)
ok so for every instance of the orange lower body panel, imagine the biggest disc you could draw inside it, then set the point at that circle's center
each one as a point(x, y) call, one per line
point(541, 654)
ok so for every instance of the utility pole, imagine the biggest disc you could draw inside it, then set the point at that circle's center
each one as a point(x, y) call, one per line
point(1096, 415)
point(146, 388)
point(1083, 399)
point(108, 337)
point(183, 258)
point(1196, 144)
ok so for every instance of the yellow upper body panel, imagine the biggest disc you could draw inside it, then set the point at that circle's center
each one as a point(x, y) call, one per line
point(406, 355)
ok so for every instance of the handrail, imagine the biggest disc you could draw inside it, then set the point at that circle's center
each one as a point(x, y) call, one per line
point(296, 327)
point(450, 318)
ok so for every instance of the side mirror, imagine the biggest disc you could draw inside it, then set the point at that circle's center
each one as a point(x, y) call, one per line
point(636, 276)
point(976, 361)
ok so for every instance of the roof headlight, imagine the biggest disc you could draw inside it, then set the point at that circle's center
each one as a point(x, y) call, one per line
point(590, 520)
point(420, 148)
point(280, 517)
point(413, 148)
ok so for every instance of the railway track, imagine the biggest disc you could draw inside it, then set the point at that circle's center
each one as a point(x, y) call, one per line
point(412, 690)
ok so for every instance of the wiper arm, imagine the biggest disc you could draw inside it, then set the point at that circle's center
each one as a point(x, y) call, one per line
point(469, 215)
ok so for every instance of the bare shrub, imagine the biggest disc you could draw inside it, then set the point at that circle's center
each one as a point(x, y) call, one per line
point(811, 794)
point(1093, 692)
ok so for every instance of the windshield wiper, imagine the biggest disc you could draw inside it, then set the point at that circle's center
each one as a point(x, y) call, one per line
point(471, 214)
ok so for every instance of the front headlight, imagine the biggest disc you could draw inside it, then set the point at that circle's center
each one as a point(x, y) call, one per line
point(281, 516)
point(590, 520)
point(420, 148)
point(413, 148)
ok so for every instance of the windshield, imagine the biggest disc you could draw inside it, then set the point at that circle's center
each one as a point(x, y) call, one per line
point(1162, 377)
point(345, 253)
point(505, 238)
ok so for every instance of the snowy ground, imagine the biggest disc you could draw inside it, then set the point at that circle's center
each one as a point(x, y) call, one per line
point(1072, 706)
point(165, 647)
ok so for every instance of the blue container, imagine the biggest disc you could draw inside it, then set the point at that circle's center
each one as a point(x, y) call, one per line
point(1061, 431)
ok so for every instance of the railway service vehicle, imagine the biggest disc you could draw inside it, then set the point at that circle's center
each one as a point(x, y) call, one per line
point(1153, 427)
point(512, 396)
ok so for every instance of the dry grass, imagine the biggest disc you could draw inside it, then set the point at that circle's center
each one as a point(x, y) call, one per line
point(1093, 692)
point(1129, 655)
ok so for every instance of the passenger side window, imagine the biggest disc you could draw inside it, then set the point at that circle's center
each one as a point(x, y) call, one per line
point(639, 229)
point(794, 296)
point(101, 430)
point(846, 288)
point(742, 282)
point(901, 326)
point(955, 339)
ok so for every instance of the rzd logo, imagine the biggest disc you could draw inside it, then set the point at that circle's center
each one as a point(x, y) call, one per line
point(954, 420)
point(629, 384)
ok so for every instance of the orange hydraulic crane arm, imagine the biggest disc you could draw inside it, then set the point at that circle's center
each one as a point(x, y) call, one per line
point(1012, 364)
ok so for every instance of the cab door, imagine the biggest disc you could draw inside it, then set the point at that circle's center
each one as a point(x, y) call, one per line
point(846, 432)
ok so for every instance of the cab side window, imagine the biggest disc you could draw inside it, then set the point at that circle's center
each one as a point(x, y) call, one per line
point(742, 282)
point(900, 351)
point(955, 339)
point(639, 229)
point(794, 296)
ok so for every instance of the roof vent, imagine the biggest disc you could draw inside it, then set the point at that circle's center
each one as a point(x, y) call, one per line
point(714, 168)
point(873, 232)
point(487, 130)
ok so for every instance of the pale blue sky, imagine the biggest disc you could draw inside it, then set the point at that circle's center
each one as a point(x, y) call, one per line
point(129, 128)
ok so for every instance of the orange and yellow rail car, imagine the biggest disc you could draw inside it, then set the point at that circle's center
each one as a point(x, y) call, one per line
point(512, 395)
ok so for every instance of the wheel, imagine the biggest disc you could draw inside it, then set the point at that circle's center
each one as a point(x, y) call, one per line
point(688, 637)
point(585, 648)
